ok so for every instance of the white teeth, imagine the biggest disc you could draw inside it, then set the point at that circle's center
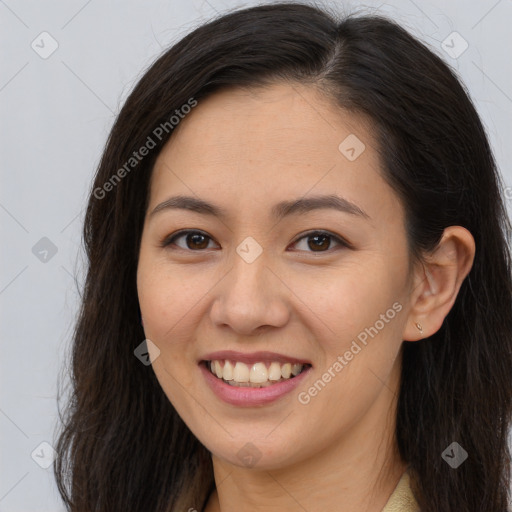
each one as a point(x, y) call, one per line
point(241, 372)
point(274, 372)
point(227, 371)
point(218, 369)
point(257, 375)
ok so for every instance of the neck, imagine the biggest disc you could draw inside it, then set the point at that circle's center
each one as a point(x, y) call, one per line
point(359, 472)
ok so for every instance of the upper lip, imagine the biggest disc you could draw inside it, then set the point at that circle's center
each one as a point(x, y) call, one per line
point(252, 357)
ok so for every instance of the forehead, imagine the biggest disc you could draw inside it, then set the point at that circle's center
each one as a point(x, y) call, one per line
point(264, 143)
point(288, 122)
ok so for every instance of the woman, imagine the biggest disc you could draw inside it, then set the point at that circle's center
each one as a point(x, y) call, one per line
point(299, 286)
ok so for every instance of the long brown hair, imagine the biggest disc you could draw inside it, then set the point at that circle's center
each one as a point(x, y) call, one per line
point(122, 446)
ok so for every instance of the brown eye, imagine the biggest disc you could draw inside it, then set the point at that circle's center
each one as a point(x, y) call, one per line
point(319, 242)
point(194, 240)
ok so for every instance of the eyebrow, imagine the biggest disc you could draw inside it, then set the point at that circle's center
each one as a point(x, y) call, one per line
point(279, 211)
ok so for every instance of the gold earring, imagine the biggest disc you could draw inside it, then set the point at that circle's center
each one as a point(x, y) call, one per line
point(420, 328)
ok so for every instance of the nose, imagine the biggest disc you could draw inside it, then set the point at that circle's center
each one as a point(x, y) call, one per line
point(250, 298)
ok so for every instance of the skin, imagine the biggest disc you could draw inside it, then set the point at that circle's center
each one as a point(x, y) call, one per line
point(246, 150)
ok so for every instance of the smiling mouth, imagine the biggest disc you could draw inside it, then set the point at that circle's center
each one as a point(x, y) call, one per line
point(257, 375)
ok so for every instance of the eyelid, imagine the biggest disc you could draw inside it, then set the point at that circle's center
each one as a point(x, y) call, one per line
point(339, 239)
point(168, 240)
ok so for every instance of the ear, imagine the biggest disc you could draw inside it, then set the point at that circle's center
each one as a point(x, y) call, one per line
point(437, 281)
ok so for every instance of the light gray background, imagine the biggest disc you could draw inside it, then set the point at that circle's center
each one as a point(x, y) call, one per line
point(55, 117)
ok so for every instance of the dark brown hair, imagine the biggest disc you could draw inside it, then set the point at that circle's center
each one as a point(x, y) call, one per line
point(122, 445)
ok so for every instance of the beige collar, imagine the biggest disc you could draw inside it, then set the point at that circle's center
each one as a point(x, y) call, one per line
point(402, 499)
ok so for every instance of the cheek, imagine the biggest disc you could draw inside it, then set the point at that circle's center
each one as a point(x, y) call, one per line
point(166, 295)
point(168, 307)
point(173, 303)
point(350, 298)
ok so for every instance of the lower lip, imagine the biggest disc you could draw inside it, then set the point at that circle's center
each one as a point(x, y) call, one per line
point(249, 397)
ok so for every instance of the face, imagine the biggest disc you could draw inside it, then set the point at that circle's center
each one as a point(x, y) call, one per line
point(289, 255)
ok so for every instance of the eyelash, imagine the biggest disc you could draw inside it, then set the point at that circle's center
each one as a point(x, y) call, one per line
point(171, 239)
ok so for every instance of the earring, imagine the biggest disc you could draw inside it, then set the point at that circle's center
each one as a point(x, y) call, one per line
point(420, 328)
